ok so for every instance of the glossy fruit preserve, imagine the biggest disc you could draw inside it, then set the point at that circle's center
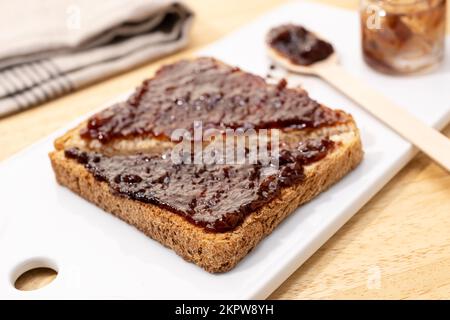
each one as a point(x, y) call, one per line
point(216, 196)
point(298, 44)
point(212, 92)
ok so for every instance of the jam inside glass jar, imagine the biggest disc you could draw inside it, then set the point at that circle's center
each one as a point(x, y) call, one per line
point(403, 36)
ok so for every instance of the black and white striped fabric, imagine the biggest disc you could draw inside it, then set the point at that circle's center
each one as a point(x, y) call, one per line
point(52, 55)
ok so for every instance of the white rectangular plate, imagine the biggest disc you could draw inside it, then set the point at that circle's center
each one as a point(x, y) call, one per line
point(99, 256)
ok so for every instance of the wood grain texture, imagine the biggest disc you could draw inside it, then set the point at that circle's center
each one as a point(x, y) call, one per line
point(397, 246)
point(35, 279)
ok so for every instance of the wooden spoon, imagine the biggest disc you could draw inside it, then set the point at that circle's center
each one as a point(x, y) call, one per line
point(427, 139)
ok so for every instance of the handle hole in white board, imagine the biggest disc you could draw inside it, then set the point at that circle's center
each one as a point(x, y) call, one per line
point(34, 274)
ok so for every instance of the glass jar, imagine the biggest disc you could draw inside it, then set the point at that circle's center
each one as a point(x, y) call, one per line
point(403, 36)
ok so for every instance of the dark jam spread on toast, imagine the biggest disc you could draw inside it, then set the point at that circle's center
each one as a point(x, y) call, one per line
point(298, 44)
point(214, 196)
point(212, 92)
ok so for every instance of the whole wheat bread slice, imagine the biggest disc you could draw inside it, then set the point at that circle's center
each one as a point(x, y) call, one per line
point(215, 252)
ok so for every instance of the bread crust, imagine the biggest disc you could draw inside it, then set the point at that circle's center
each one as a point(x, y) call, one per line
point(215, 252)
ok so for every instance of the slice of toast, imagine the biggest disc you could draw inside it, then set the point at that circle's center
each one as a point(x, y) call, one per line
point(213, 251)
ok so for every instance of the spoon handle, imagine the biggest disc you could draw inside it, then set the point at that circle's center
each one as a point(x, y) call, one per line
point(427, 139)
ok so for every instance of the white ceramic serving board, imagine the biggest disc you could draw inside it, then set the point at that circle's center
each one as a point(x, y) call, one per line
point(99, 256)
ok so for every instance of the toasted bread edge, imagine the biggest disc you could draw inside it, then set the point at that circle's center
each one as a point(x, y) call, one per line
point(214, 252)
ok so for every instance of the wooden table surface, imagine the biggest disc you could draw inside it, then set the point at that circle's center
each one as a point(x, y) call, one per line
point(397, 246)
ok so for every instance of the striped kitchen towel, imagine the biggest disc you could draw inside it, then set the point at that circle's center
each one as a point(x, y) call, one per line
point(57, 46)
